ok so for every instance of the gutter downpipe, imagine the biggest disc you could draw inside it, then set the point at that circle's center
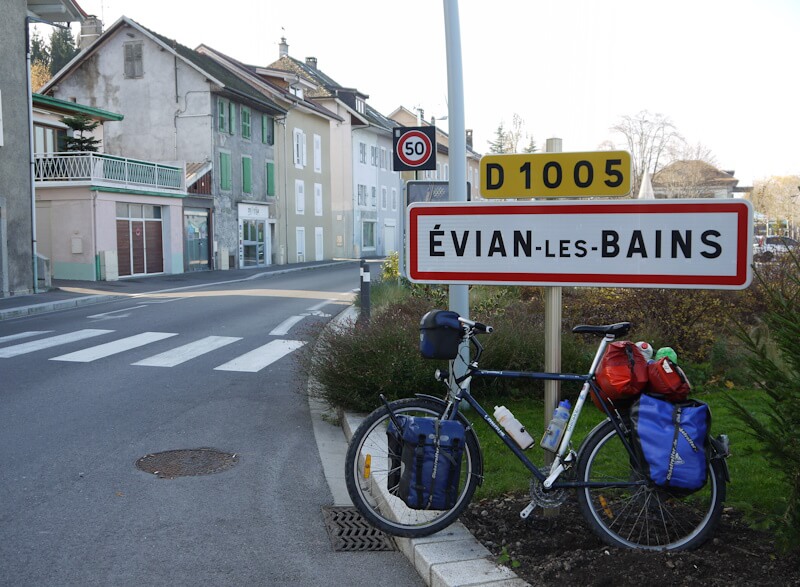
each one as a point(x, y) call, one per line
point(32, 162)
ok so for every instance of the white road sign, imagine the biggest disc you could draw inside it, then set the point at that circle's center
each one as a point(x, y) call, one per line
point(658, 243)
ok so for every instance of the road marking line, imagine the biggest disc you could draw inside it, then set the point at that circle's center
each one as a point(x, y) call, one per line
point(19, 335)
point(320, 305)
point(284, 327)
point(261, 357)
point(186, 352)
point(114, 347)
point(115, 312)
point(46, 343)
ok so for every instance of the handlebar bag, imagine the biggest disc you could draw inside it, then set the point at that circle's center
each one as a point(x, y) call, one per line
point(670, 439)
point(440, 334)
point(668, 380)
point(622, 373)
point(430, 461)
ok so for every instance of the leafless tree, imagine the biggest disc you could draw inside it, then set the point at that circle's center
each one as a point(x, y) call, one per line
point(649, 138)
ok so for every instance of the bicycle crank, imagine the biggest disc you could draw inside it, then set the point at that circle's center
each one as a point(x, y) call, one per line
point(544, 499)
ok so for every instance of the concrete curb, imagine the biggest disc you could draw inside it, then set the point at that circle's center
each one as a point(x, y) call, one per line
point(450, 558)
point(54, 306)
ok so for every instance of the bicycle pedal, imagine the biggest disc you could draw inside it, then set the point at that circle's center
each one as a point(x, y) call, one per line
point(527, 511)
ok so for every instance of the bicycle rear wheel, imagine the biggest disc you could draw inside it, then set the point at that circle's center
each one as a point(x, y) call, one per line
point(372, 469)
point(645, 516)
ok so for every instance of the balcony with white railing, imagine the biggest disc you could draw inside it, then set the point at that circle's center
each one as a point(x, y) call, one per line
point(85, 168)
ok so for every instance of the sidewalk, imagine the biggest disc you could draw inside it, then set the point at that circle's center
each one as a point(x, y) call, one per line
point(67, 294)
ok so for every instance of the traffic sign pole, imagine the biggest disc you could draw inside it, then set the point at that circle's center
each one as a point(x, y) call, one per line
point(459, 294)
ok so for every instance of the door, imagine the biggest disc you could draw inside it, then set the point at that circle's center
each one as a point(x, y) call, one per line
point(389, 239)
point(301, 244)
point(319, 245)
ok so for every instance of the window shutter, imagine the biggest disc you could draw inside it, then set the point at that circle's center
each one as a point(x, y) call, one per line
point(231, 118)
point(225, 171)
point(270, 179)
point(247, 182)
point(318, 153)
point(305, 152)
point(221, 115)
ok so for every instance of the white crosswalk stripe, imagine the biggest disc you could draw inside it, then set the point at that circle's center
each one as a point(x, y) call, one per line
point(114, 347)
point(261, 357)
point(46, 343)
point(19, 335)
point(187, 352)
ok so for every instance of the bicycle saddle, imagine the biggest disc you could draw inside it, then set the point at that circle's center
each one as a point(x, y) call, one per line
point(618, 329)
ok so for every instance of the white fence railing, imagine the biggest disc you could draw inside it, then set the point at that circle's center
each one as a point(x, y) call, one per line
point(110, 170)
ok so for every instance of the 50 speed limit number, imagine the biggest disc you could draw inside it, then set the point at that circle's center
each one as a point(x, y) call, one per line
point(534, 175)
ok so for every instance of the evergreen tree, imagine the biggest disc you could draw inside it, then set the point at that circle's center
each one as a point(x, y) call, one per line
point(39, 51)
point(80, 125)
point(531, 148)
point(62, 48)
point(499, 144)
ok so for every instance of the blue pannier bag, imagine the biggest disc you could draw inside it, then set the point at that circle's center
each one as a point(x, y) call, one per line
point(429, 461)
point(670, 440)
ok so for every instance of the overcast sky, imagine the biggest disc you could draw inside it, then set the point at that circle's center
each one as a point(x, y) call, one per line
point(724, 71)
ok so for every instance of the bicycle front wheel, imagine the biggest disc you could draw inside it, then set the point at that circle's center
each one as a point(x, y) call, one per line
point(372, 471)
point(644, 516)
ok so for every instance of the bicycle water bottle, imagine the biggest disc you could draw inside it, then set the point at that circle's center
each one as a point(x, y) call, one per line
point(513, 426)
point(552, 436)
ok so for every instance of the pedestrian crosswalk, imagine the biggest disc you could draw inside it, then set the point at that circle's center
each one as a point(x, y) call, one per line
point(251, 361)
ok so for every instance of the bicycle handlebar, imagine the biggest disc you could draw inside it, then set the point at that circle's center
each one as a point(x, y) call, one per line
point(478, 326)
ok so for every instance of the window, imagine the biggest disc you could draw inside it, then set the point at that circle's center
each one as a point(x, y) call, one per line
point(361, 106)
point(374, 200)
point(296, 91)
point(299, 196)
point(270, 178)
point(373, 156)
point(383, 157)
point(299, 148)
point(245, 122)
point(362, 151)
point(222, 115)
point(225, 171)
point(438, 171)
point(318, 153)
point(394, 198)
point(383, 197)
point(247, 175)
point(368, 235)
point(318, 199)
point(362, 194)
point(268, 130)
point(134, 67)
point(47, 139)
point(446, 171)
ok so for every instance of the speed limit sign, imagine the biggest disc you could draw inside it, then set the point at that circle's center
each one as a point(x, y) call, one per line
point(415, 148)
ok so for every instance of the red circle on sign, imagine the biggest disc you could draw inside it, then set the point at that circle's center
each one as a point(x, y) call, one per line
point(138, 231)
point(414, 148)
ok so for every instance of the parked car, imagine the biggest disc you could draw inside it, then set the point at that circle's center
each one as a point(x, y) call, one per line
point(766, 248)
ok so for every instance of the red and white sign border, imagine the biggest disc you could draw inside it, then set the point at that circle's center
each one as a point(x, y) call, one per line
point(414, 134)
point(740, 280)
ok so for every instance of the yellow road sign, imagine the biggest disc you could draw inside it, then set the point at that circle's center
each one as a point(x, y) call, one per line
point(556, 175)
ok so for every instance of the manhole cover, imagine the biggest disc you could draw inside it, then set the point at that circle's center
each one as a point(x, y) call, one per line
point(349, 531)
point(186, 463)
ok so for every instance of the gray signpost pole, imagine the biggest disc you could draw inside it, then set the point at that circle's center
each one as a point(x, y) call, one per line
point(552, 335)
point(459, 294)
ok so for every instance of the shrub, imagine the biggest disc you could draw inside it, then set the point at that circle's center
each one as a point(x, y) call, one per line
point(775, 366)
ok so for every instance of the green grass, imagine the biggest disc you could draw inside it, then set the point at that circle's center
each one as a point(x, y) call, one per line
point(755, 488)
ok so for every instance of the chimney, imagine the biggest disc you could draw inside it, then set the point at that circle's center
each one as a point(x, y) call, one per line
point(283, 48)
point(311, 62)
point(91, 29)
point(469, 138)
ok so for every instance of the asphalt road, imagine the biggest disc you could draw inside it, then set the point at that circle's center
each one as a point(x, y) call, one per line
point(209, 367)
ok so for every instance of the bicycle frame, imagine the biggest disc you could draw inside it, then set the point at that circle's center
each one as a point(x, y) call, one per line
point(459, 391)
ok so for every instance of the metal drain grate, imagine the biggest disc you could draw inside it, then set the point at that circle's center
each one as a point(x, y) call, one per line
point(350, 532)
point(187, 463)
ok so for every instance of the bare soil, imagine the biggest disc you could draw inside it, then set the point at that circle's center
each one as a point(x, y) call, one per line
point(563, 550)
